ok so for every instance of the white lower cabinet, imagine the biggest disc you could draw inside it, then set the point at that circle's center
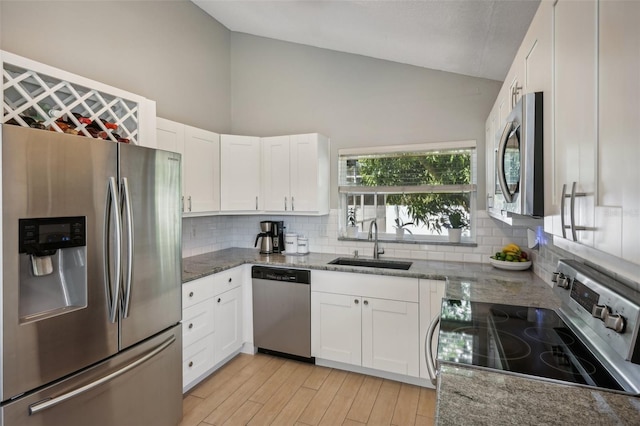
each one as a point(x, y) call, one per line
point(370, 321)
point(197, 359)
point(228, 316)
point(211, 323)
point(336, 327)
point(390, 336)
point(365, 331)
point(431, 294)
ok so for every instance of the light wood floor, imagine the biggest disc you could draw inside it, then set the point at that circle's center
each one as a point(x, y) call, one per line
point(262, 390)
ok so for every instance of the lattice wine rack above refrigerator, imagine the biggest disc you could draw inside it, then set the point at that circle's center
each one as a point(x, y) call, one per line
point(55, 100)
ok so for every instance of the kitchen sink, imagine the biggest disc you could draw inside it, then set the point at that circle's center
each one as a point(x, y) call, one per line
point(372, 263)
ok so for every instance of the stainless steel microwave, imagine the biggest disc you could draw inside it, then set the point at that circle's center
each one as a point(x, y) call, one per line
point(519, 170)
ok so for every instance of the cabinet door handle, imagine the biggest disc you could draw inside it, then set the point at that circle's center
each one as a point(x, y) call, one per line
point(356, 301)
point(190, 363)
point(572, 211)
point(189, 198)
point(285, 204)
point(562, 206)
point(514, 95)
point(230, 279)
point(293, 207)
point(366, 302)
point(256, 202)
point(190, 326)
point(182, 203)
point(190, 294)
point(572, 207)
point(219, 300)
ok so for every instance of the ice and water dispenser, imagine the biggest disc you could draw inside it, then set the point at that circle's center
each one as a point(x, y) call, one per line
point(53, 270)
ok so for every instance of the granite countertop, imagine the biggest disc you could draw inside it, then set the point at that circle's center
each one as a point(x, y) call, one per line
point(480, 281)
point(468, 395)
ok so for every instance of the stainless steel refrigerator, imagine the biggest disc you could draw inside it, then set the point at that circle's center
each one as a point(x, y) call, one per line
point(91, 275)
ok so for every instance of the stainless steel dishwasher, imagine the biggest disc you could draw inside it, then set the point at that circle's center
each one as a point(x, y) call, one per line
point(282, 311)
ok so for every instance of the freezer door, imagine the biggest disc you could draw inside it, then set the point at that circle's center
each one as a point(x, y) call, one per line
point(152, 224)
point(44, 175)
point(141, 386)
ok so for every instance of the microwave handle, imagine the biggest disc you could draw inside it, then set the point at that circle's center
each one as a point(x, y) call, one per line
point(430, 359)
point(506, 134)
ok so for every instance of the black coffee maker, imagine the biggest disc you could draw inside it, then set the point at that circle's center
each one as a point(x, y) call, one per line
point(277, 236)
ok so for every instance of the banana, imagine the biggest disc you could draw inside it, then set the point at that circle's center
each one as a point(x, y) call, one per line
point(513, 248)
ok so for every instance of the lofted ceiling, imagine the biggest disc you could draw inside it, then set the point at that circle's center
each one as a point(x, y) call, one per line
point(479, 38)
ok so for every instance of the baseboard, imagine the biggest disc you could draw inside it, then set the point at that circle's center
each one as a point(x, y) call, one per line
point(425, 383)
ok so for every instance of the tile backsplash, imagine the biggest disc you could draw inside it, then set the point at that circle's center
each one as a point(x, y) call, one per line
point(205, 234)
point(212, 233)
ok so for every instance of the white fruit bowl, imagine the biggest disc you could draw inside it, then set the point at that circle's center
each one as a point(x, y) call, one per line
point(510, 266)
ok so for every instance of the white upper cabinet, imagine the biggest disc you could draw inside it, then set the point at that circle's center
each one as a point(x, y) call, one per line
point(240, 173)
point(201, 170)
point(617, 213)
point(575, 119)
point(536, 54)
point(531, 71)
point(309, 166)
point(296, 174)
point(491, 129)
point(169, 135)
point(200, 151)
point(276, 175)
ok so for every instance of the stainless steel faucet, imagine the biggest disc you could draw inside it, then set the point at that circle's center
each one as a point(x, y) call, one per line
point(376, 252)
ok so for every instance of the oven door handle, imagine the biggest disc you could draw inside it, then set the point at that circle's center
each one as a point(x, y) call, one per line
point(431, 361)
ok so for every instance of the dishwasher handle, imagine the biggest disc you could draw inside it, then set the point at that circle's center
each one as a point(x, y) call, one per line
point(430, 359)
point(299, 276)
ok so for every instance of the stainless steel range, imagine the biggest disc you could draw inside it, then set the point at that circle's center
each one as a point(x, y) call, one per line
point(592, 340)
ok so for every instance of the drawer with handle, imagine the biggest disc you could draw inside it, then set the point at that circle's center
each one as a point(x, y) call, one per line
point(228, 279)
point(197, 322)
point(197, 359)
point(197, 291)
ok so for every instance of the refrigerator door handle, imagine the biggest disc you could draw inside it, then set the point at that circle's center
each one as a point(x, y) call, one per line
point(43, 405)
point(128, 272)
point(112, 291)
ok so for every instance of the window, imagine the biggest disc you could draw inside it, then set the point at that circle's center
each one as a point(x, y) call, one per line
point(415, 192)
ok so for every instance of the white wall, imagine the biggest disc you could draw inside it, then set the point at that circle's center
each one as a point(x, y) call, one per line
point(284, 88)
point(168, 51)
point(201, 74)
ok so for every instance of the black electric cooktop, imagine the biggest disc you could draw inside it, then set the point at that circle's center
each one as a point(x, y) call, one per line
point(517, 339)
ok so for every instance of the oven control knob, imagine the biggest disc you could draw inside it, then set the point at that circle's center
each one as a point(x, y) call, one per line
point(616, 322)
point(600, 311)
